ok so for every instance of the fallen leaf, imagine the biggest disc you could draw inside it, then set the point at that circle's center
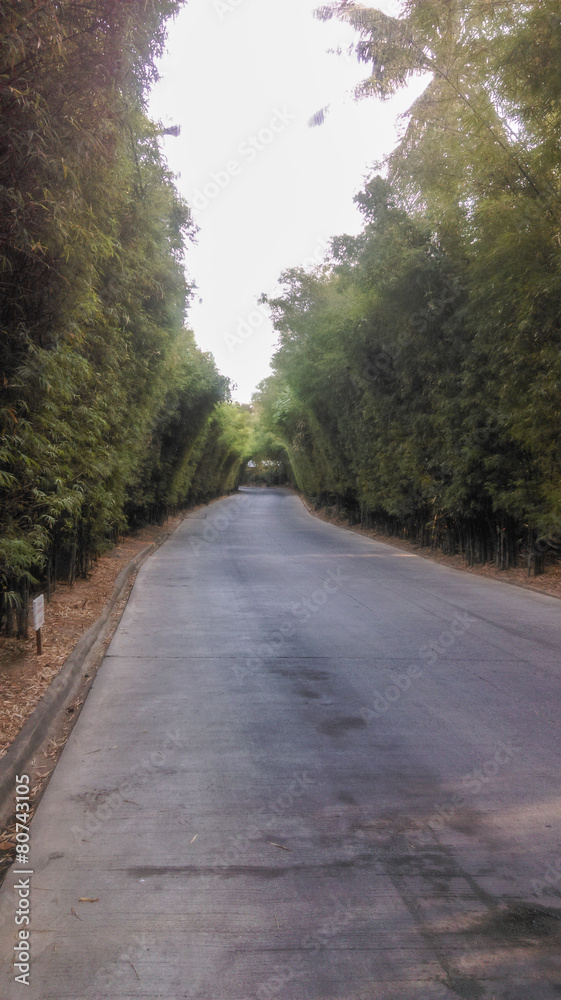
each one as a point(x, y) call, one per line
point(86, 899)
point(193, 840)
point(6, 845)
point(73, 911)
point(278, 845)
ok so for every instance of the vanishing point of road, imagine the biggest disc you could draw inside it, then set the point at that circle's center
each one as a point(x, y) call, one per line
point(312, 767)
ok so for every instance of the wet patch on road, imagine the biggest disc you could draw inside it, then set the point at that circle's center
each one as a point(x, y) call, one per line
point(336, 727)
point(347, 798)
point(307, 693)
point(522, 921)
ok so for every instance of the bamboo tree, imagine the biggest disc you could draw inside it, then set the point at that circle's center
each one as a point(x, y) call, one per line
point(109, 409)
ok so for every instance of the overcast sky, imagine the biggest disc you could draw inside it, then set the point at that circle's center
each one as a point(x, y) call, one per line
point(242, 78)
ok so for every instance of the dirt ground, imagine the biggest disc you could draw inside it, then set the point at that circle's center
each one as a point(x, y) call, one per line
point(24, 675)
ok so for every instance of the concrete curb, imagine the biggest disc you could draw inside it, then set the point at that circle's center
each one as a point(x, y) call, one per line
point(83, 660)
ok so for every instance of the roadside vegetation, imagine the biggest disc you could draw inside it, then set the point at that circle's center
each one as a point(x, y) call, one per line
point(110, 415)
point(417, 381)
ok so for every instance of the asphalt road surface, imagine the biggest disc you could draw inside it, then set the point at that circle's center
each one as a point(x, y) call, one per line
point(312, 767)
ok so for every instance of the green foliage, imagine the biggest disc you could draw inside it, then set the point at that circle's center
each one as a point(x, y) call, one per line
point(394, 395)
point(417, 378)
point(109, 408)
point(227, 449)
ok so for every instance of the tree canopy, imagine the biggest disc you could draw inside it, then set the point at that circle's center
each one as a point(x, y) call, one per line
point(418, 372)
point(109, 410)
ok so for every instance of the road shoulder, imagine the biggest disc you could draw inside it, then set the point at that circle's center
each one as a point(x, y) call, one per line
point(548, 583)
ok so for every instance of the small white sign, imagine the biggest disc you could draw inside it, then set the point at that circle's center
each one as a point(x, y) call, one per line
point(38, 612)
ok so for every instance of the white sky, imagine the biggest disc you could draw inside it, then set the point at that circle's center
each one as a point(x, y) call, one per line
point(234, 68)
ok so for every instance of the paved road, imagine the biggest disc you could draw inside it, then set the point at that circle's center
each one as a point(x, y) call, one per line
point(312, 767)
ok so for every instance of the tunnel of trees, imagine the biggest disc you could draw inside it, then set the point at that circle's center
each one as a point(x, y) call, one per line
point(417, 381)
point(110, 414)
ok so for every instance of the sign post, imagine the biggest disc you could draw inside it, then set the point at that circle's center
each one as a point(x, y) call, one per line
point(39, 619)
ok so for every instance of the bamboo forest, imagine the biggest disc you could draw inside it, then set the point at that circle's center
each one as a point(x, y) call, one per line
point(416, 383)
